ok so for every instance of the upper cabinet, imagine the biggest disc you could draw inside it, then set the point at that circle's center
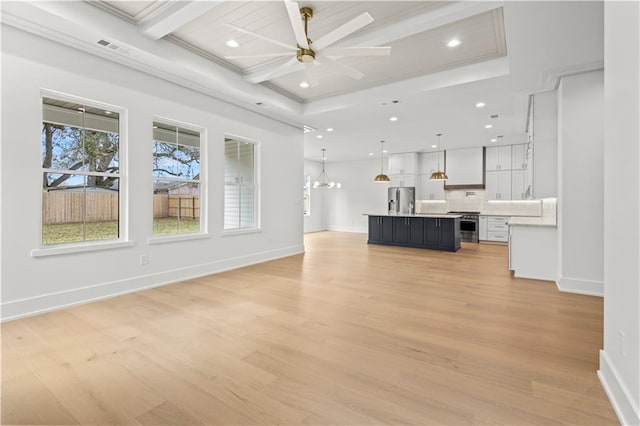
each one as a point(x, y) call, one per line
point(508, 173)
point(519, 157)
point(402, 164)
point(498, 158)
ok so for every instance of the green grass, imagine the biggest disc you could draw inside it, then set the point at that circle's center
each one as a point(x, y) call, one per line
point(63, 233)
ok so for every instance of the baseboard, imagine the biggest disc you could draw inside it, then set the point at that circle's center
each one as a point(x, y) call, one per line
point(579, 286)
point(627, 411)
point(21, 308)
point(355, 229)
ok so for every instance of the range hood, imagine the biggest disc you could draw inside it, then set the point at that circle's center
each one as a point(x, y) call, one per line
point(465, 168)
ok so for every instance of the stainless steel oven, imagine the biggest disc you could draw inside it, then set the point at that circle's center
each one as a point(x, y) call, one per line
point(469, 226)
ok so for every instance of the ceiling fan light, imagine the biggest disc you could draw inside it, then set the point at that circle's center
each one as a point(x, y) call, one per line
point(306, 56)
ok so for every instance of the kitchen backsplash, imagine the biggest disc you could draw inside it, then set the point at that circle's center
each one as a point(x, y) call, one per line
point(474, 200)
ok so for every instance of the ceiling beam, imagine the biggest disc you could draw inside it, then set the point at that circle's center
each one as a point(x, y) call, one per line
point(451, 12)
point(175, 17)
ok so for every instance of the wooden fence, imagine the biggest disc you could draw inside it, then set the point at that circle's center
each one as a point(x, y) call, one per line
point(69, 207)
point(186, 206)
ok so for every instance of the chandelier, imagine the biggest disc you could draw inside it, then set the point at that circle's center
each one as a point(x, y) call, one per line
point(323, 180)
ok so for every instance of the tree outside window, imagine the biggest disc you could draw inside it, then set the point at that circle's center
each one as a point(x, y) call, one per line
point(176, 185)
point(80, 172)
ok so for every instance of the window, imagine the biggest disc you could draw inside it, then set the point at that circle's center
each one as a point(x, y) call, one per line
point(306, 195)
point(176, 179)
point(240, 188)
point(81, 157)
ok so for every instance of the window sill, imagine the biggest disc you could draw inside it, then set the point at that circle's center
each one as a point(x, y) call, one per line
point(241, 231)
point(176, 238)
point(79, 248)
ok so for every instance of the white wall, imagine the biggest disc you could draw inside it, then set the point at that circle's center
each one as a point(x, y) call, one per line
point(580, 183)
point(545, 147)
point(359, 194)
point(620, 358)
point(29, 284)
point(317, 220)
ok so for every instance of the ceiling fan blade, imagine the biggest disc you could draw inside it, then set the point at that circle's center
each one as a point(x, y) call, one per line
point(261, 37)
point(284, 68)
point(342, 31)
point(341, 68)
point(288, 67)
point(357, 51)
point(261, 55)
point(296, 23)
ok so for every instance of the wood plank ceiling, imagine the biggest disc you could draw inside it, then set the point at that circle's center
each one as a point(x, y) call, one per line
point(420, 53)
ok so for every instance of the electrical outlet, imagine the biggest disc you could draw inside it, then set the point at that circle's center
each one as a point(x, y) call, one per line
point(623, 350)
point(144, 259)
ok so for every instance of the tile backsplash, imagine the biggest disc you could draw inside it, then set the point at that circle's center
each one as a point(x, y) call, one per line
point(474, 200)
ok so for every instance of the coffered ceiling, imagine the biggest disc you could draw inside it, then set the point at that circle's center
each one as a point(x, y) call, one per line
point(508, 50)
point(416, 49)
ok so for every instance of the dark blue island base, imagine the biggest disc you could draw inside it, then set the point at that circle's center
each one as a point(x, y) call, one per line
point(435, 233)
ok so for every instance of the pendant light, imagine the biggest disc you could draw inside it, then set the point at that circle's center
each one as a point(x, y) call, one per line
point(323, 180)
point(381, 177)
point(438, 174)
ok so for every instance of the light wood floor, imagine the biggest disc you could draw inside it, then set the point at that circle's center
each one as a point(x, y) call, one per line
point(344, 334)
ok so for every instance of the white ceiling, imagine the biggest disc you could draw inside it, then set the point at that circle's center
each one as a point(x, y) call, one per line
point(509, 50)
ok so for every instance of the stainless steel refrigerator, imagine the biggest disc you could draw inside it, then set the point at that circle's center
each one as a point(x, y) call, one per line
point(401, 200)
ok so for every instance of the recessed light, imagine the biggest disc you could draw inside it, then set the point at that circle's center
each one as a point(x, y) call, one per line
point(232, 43)
point(371, 153)
point(434, 146)
point(393, 118)
point(480, 104)
point(304, 84)
point(319, 136)
point(329, 129)
point(108, 112)
point(488, 126)
point(454, 42)
point(384, 151)
point(494, 140)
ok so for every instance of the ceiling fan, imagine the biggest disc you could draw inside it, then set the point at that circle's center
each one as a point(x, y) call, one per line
point(309, 53)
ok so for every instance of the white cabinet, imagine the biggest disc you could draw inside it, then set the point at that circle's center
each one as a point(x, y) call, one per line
point(518, 184)
point(402, 180)
point(498, 228)
point(533, 252)
point(430, 189)
point(402, 164)
point(430, 161)
point(498, 158)
point(498, 185)
point(519, 157)
point(483, 234)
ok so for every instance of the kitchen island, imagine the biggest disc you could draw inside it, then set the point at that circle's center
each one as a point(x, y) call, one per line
point(427, 231)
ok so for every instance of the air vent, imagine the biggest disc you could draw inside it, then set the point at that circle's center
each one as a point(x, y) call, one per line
point(114, 47)
point(309, 129)
point(494, 116)
point(500, 136)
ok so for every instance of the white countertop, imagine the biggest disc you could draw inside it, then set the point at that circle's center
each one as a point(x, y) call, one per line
point(532, 221)
point(442, 215)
